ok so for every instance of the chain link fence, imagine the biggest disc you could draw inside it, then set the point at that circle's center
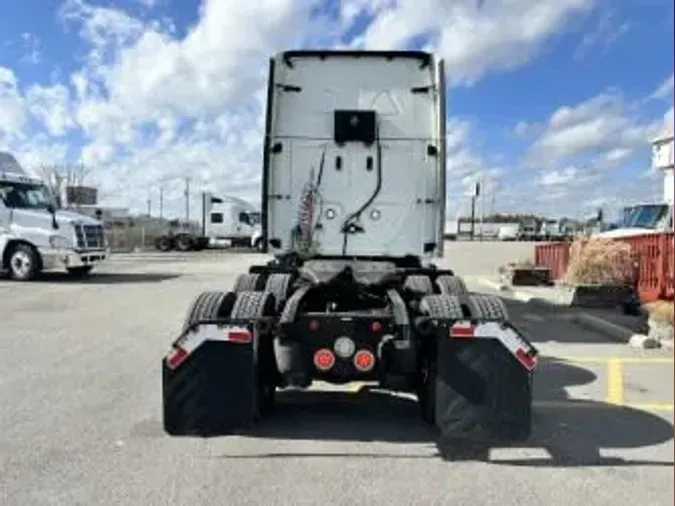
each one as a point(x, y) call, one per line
point(129, 237)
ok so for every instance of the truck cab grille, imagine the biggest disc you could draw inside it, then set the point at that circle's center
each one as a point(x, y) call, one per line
point(89, 236)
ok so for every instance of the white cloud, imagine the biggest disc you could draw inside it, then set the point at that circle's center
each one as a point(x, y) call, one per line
point(33, 48)
point(665, 90)
point(51, 105)
point(475, 38)
point(604, 127)
point(605, 33)
point(154, 107)
point(13, 116)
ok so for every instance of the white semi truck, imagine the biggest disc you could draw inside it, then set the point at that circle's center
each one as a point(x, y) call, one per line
point(224, 218)
point(35, 236)
point(353, 211)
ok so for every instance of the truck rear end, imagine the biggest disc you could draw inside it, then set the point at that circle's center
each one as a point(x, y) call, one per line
point(353, 205)
point(354, 163)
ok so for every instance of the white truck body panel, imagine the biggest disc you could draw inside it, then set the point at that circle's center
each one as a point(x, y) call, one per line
point(228, 218)
point(407, 216)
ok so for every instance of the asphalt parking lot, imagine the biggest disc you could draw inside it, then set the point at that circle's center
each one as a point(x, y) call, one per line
point(81, 412)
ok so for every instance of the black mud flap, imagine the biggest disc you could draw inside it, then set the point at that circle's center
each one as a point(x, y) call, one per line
point(483, 394)
point(213, 392)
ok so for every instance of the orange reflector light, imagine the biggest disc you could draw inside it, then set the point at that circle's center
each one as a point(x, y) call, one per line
point(364, 360)
point(376, 327)
point(324, 359)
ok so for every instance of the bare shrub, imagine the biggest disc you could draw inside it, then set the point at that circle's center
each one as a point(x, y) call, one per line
point(599, 261)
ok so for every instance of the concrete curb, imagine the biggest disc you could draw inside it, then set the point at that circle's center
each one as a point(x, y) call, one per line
point(611, 330)
point(591, 322)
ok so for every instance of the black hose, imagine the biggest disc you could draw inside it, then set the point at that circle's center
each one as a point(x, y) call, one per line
point(376, 192)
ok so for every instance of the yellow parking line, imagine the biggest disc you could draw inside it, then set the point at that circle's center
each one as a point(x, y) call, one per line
point(614, 381)
point(604, 360)
point(355, 386)
point(590, 404)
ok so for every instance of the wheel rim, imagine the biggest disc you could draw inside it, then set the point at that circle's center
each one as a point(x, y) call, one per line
point(21, 263)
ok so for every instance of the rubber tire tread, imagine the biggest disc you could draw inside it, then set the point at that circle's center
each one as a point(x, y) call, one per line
point(482, 393)
point(489, 307)
point(451, 285)
point(441, 307)
point(246, 282)
point(206, 306)
point(253, 305)
point(417, 283)
point(280, 286)
point(184, 243)
point(35, 262)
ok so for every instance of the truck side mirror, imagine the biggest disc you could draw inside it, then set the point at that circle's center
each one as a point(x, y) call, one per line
point(51, 209)
point(99, 213)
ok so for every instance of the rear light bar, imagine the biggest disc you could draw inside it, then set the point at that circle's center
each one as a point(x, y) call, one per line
point(519, 348)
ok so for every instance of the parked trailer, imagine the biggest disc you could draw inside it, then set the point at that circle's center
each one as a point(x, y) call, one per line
point(351, 294)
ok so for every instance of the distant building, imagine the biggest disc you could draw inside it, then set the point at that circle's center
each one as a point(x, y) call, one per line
point(81, 196)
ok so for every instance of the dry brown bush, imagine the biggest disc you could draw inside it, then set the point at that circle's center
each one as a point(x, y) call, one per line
point(596, 261)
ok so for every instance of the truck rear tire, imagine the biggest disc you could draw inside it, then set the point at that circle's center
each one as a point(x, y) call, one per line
point(421, 284)
point(221, 386)
point(184, 243)
point(164, 243)
point(473, 389)
point(23, 262)
point(247, 283)
point(451, 285)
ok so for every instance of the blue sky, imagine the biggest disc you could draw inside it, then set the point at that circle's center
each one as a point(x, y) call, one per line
point(178, 84)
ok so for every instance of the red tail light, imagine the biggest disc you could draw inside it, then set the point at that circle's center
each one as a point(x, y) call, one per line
point(176, 358)
point(364, 360)
point(313, 325)
point(463, 331)
point(376, 327)
point(526, 359)
point(324, 359)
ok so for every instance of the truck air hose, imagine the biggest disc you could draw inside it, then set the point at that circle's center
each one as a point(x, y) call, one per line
point(378, 187)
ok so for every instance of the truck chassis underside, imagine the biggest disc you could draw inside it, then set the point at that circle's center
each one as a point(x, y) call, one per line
point(393, 321)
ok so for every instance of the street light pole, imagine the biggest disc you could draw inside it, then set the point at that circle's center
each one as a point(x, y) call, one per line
point(473, 210)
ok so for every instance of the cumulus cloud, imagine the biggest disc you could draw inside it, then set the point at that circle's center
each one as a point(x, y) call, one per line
point(475, 37)
point(150, 107)
point(604, 127)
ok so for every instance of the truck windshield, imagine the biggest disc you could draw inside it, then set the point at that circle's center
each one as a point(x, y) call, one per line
point(646, 216)
point(25, 195)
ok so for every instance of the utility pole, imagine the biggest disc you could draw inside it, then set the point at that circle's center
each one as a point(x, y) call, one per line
point(149, 205)
point(473, 210)
point(187, 200)
point(482, 210)
point(161, 202)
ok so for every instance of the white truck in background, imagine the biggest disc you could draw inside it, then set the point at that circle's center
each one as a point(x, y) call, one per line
point(35, 236)
point(224, 219)
point(231, 219)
